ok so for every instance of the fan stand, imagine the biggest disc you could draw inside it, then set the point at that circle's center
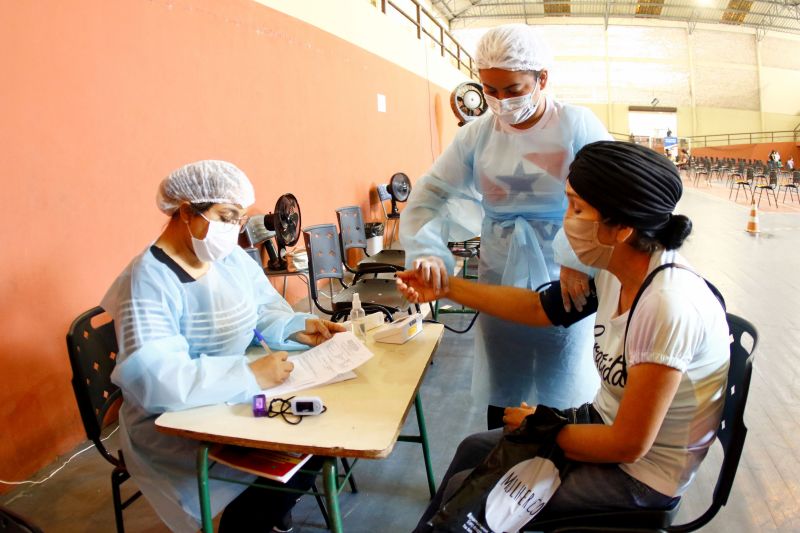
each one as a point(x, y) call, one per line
point(275, 262)
point(393, 216)
point(395, 213)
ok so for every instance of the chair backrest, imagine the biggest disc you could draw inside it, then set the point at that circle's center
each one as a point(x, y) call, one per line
point(10, 522)
point(773, 177)
point(351, 228)
point(324, 258)
point(796, 177)
point(732, 431)
point(92, 347)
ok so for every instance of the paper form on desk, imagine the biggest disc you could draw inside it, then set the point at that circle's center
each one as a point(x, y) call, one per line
point(330, 362)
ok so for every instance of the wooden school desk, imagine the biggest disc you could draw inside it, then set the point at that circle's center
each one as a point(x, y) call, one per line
point(363, 419)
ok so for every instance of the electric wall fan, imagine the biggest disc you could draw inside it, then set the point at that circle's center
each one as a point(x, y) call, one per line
point(399, 188)
point(285, 222)
point(467, 102)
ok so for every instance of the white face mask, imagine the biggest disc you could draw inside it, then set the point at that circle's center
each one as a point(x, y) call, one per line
point(220, 241)
point(514, 110)
point(582, 236)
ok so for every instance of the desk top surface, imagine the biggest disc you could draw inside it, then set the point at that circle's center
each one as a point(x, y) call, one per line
point(363, 419)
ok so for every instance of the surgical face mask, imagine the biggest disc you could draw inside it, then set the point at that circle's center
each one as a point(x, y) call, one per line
point(582, 236)
point(220, 241)
point(514, 110)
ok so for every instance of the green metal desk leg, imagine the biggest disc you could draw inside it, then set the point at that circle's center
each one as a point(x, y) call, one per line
point(331, 478)
point(423, 433)
point(202, 481)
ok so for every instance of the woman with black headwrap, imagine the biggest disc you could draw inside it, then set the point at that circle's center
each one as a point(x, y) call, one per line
point(662, 369)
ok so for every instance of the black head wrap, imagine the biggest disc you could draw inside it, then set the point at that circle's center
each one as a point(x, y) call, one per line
point(631, 184)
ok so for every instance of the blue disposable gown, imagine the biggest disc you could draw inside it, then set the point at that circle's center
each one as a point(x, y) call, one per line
point(181, 345)
point(507, 185)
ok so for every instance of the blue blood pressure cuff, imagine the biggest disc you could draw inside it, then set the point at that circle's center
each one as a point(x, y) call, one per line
point(553, 305)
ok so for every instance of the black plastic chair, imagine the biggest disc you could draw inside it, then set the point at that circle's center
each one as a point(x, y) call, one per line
point(325, 262)
point(731, 435)
point(92, 347)
point(464, 251)
point(703, 170)
point(737, 171)
point(743, 183)
point(791, 187)
point(11, 522)
point(352, 235)
point(771, 187)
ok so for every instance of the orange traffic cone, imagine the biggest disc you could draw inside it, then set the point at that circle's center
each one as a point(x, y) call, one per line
point(752, 223)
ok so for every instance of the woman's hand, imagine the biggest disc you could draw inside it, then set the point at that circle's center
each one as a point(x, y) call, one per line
point(574, 288)
point(433, 271)
point(413, 286)
point(317, 331)
point(514, 416)
point(272, 369)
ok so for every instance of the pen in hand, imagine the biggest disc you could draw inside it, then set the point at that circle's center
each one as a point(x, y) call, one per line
point(262, 341)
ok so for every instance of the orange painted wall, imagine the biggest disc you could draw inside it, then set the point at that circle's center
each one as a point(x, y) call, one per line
point(102, 99)
point(752, 151)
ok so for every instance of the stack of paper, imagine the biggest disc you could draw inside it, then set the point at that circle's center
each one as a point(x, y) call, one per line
point(332, 361)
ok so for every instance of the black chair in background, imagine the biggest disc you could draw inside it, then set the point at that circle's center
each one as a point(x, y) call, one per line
point(743, 183)
point(92, 347)
point(465, 251)
point(731, 435)
point(11, 522)
point(771, 187)
point(791, 187)
point(352, 235)
point(704, 169)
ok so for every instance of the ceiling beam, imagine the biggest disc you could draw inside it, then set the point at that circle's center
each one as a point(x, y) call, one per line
point(473, 3)
point(435, 5)
point(487, 11)
point(792, 28)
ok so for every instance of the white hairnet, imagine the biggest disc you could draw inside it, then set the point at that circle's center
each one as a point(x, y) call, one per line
point(213, 181)
point(513, 47)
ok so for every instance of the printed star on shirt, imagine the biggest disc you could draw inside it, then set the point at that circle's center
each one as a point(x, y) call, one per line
point(550, 162)
point(519, 181)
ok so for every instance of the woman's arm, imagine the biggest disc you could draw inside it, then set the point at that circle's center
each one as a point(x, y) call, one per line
point(509, 303)
point(648, 394)
point(428, 222)
point(281, 325)
point(664, 334)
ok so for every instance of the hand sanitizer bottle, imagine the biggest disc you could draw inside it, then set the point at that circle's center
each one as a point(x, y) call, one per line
point(358, 319)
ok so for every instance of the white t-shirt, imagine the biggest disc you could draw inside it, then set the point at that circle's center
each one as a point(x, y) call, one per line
point(679, 323)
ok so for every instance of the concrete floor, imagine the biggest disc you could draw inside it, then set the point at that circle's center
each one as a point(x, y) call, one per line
point(757, 275)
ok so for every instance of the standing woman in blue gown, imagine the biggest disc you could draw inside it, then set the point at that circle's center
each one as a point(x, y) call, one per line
point(503, 178)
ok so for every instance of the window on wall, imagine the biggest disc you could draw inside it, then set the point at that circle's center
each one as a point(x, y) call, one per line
point(656, 128)
point(653, 123)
